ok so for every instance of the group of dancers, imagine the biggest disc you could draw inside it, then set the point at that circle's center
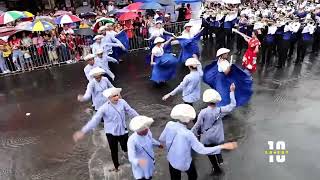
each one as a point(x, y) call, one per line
point(282, 28)
point(231, 87)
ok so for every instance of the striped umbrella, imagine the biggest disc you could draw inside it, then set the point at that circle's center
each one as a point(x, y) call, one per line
point(10, 16)
point(27, 14)
point(40, 26)
point(67, 19)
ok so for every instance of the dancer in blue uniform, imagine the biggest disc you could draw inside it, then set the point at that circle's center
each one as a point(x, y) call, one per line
point(164, 64)
point(220, 74)
point(189, 44)
point(159, 31)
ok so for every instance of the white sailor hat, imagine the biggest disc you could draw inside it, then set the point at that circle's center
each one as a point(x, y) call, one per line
point(111, 92)
point(89, 57)
point(222, 51)
point(188, 25)
point(166, 15)
point(140, 123)
point(99, 51)
point(183, 112)
point(96, 72)
point(192, 62)
point(98, 37)
point(158, 40)
point(159, 22)
point(157, 10)
point(211, 96)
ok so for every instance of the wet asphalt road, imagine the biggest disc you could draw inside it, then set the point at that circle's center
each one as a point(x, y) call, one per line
point(284, 108)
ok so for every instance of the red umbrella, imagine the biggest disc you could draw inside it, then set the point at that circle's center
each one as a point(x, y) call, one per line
point(134, 6)
point(127, 16)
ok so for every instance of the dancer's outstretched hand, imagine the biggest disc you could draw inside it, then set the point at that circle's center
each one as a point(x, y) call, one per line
point(77, 136)
point(165, 97)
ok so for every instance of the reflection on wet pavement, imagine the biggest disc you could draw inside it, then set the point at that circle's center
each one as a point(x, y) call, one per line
point(39, 146)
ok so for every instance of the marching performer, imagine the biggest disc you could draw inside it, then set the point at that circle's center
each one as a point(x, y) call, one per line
point(90, 65)
point(110, 41)
point(140, 148)
point(103, 61)
point(190, 86)
point(210, 123)
point(305, 40)
point(269, 42)
point(220, 74)
point(97, 44)
point(95, 88)
point(114, 114)
point(179, 142)
point(164, 64)
point(249, 61)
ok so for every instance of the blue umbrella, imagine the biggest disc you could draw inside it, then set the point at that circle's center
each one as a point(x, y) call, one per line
point(151, 5)
point(166, 2)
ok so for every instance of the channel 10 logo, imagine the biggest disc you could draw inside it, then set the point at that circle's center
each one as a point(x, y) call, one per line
point(277, 151)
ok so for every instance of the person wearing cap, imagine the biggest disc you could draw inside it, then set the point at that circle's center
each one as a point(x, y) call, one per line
point(221, 73)
point(90, 65)
point(179, 141)
point(158, 15)
point(109, 41)
point(159, 31)
point(209, 123)
point(97, 44)
point(140, 148)
point(163, 64)
point(103, 62)
point(190, 86)
point(305, 40)
point(113, 113)
point(95, 88)
point(189, 43)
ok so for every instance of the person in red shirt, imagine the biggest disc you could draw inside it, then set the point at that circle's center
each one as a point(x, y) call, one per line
point(17, 55)
point(249, 61)
point(188, 12)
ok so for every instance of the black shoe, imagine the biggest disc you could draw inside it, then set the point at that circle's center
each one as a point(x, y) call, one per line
point(278, 66)
point(217, 172)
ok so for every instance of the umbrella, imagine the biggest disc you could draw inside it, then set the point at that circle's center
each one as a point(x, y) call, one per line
point(87, 14)
point(39, 25)
point(85, 32)
point(27, 14)
point(67, 19)
point(60, 13)
point(134, 6)
point(23, 25)
point(127, 16)
point(8, 31)
point(105, 20)
point(10, 16)
point(186, 1)
point(166, 2)
point(151, 5)
point(83, 9)
point(114, 11)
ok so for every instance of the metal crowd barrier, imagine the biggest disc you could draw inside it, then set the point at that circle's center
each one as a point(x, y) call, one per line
point(50, 54)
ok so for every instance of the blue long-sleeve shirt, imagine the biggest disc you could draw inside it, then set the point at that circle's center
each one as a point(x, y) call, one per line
point(190, 86)
point(87, 70)
point(179, 142)
point(114, 117)
point(212, 118)
point(141, 147)
point(94, 91)
point(109, 41)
